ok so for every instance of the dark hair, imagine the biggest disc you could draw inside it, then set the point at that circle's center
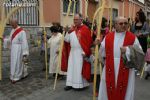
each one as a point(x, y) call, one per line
point(54, 29)
point(142, 16)
point(59, 27)
point(104, 20)
point(87, 23)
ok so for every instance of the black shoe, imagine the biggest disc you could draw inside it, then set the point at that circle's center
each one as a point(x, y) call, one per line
point(61, 77)
point(44, 69)
point(78, 89)
point(68, 88)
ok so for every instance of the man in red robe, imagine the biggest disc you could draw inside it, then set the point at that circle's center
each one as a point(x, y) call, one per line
point(79, 41)
point(117, 81)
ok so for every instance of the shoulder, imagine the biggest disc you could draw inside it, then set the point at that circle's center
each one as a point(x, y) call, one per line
point(59, 34)
point(109, 34)
point(23, 31)
point(20, 29)
point(131, 34)
point(84, 27)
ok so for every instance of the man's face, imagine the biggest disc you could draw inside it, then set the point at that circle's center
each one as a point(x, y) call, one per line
point(77, 20)
point(121, 25)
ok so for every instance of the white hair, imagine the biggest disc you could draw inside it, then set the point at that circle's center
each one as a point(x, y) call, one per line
point(119, 18)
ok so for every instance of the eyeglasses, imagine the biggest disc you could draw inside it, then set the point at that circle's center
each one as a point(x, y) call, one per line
point(121, 23)
point(76, 19)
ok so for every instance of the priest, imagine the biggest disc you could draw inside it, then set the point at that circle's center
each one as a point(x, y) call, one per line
point(78, 45)
point(19, 52)
point(117, 81)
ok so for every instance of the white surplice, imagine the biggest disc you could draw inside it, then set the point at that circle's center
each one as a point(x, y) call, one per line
point(118, 42)
point(75, 62)
point(19, 47)
point(54, 44)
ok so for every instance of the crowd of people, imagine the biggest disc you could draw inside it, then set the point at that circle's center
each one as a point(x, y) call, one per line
point(118, 52)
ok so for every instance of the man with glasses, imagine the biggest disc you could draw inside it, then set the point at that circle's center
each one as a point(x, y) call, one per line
point(117, 81)
point(80, 40)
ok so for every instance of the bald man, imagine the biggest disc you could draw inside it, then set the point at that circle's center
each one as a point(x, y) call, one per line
point(19, 52)
point(117, 81)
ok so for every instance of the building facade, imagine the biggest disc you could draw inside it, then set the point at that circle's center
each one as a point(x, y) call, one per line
point(45, 12)
point(147, 8)
point(126, 8)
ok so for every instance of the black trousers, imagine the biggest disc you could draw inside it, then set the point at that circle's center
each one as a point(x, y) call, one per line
point(97, 81)
point(143, 43)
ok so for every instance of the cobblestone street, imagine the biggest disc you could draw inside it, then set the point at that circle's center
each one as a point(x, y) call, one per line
point(36, 87)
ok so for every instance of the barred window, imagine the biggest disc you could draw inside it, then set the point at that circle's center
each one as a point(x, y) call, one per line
point(66, 4)
point(28, 15)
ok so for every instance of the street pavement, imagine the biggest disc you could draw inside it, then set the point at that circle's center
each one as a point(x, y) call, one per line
point(36, 87)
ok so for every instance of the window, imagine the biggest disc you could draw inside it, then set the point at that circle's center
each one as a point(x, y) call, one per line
point(115, 13)
point(28, 15)
point(142, 1)
point(66, 3)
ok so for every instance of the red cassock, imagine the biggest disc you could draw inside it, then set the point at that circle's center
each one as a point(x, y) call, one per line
point(84, 36)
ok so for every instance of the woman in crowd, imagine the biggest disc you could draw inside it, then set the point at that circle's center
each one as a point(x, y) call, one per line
point(54, 44)
point(141, 29)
